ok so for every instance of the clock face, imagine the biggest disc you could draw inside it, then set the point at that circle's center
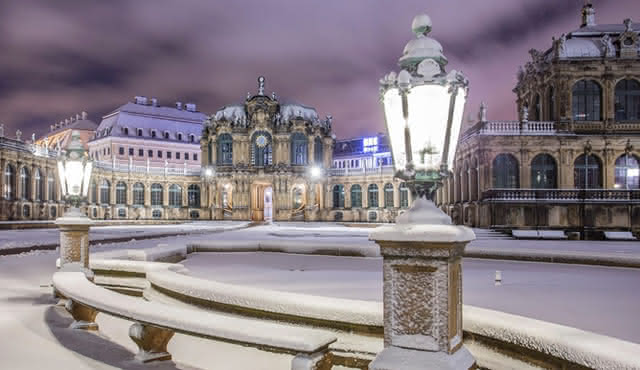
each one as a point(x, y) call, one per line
point(261, 141)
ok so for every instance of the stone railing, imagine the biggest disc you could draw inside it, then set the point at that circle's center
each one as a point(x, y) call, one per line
point(21, 146)
point(562, 195)
point(382, 170)
point(147, 168)
point(517, 128)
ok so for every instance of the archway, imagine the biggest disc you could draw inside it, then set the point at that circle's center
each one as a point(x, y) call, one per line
point(261, 202)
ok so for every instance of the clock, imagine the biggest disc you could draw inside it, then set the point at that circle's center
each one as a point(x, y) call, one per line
point(261, 141)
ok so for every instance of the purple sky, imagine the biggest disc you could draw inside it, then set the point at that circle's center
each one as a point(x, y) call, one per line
point(65, 56)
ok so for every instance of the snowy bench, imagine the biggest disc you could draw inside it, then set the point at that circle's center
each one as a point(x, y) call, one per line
point(619, 235)
point(538, 234)
point(155, 324)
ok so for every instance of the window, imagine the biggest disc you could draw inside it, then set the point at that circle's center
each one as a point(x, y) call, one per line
point(186, 156)
point(122, 213)
point(298, 198)
point(586, 101)
point(195, 156)
point(551, 104)
point(194, 214)
point(537, 109)
point(388, 195)
point(404, 195)
point(543, 172)
point(175, 196)
point(373, 216)
point(317, 151)
point(370, 144)
point(8, 191)
point(372, 196)
point(150, 153)
point(356, 196)
point(156, 213)
point(193, 196)
point(94, 192)
point(627, 174)
point(53, 212)
point(138, 194)
point(25, 183)
point(338, 196)
point(140, 152)
point(298, 149)
point(192, 138)
point(121, 193)
point(131, 152)
point(261, 153)
point(139, 131)
point(225, 150)
point(26, 211)
point(121, 150)
point(159, 153)
point(166, 134)
point(105, 192)
point(179, 137)
point(126, 131)
point(39, 185)
point(95, 213)
point(51, 188)
point(628, 100)
point(177, 155)
point(505, 172)
point(156, 195)
point(338, 216)
point(210, 152)
point(586, 172)
point(168, 155)
point(153, 133)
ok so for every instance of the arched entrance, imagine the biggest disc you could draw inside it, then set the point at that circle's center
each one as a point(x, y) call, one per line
point(261, 202)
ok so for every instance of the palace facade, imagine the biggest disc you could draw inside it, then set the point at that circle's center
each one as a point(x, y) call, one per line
point(571, 161)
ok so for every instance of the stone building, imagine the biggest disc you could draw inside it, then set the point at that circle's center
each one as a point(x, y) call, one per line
point(59, 134)
point(571, 161)
point(147, 162)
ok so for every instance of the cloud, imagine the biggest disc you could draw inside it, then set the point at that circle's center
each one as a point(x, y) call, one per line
point(67, 56)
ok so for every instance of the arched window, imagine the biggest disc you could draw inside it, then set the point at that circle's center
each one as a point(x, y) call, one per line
point(25, 183)
point(537, 109)
point(586, 172)
point(356, 196)
point(193, 196)
point(372, 196)
point(388, 195)
point(225, 150)
point(551, 104)
point(627, 172)
point(543, 172)
point(39, 185)
point(338, 196)
point(298, 198)
point(192, 138)
point(317, 151)
point(51, 187)
point(505, 172)
point(175, 196)
point(9, 191)
point(156, 195)
point(121, 193)
point(404, 195)
point(138, 194)
point(587, 96)
point(94, 192)
point(298, 149)
point(628, 100)
point(261, 149)
point(105, 192)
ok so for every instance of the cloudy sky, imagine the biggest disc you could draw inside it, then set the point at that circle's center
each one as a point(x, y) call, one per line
point(58, 58)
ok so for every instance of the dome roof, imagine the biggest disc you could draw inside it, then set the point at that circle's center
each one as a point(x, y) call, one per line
point(581, 48)
point(423, 47)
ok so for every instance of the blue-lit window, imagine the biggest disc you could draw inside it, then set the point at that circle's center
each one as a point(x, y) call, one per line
point(370, 144)
point(225, 150)
point(298, 149)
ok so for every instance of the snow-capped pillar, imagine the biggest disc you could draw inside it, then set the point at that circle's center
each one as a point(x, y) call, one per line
point(74, 238)
point(422, 270)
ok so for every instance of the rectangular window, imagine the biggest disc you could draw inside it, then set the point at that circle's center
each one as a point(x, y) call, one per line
point(139, 132)
point(140, 152)
point(195, 156)
point(168, 155)
point(177, 155)
point(121, 150)
point(186, 156)
point(159, 153)
point(131, 152)
point(150, 153)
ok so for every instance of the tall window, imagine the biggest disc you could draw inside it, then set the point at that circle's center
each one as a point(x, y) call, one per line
point(372, 196)
point(298, 198)
point(356, 196)
point(388, 195)
point(9, 191)
point(505, 172)
point(94, 192)
point(121, 193)
point(51, 187)
point(105, 192)
point(317, 151)
point(537, 109)
point(586, 172)
point(261, 153)
point(298, 149)
point(543, 172)
point(587, 96)
point(338, 196)
point(39, 185)
point(138, 194)
point(404, 195)
point(627, 172)
point(209, 152)
point(225, 150)
point(156, 195)
point(551, 104)
point(628, 100)
point(175, 195)
point(25, 183)
point(193, 196)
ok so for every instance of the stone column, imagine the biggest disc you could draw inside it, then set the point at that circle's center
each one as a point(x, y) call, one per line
point(74, 238)
point(422, 270)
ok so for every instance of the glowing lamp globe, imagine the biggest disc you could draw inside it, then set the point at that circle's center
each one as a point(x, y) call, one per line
point(315, 172)
point(74, 171)
point(423, 108)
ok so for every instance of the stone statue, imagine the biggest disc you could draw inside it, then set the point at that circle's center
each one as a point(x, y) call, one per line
point(525, 113)
point(1, 129)
point(562, 46)
point(19, 135)
point(329, 121)
point(607, 46)
point(628, 25)
point(274, 96)
point(483, 112)
point(33, 138)
point(261, 85)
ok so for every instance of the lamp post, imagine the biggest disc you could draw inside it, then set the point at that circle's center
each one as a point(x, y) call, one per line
point(208, 175)
point(423, 109)
point(74, 172)
point(315, 175)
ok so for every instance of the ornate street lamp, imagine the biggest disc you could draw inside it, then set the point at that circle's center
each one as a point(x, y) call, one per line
point(74, 173)
point(422, 267)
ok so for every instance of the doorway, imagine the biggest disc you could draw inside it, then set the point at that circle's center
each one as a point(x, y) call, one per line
point(261, 202)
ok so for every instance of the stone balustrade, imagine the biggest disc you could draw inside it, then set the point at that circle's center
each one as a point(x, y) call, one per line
point(563, 195)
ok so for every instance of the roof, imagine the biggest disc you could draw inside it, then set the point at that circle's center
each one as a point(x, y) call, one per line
point(81, 124)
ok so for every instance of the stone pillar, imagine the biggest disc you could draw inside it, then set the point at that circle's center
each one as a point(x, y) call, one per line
point(74, 238)
point(422, 270)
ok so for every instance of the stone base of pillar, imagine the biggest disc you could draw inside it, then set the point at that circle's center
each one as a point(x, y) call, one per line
point(393, 358)
point(74, 237)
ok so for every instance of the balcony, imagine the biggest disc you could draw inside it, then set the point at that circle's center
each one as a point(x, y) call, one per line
point(382, 170)
point(146, 168)
point(561, 196)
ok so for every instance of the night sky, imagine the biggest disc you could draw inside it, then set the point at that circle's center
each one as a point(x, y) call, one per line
point(60, 57)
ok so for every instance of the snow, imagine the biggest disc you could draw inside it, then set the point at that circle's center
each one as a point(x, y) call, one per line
point(292, 111)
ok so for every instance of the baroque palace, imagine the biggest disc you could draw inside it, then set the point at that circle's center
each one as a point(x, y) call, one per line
point(572, 160)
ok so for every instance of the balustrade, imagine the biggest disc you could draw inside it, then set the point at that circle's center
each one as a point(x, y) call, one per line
point(562, 195)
